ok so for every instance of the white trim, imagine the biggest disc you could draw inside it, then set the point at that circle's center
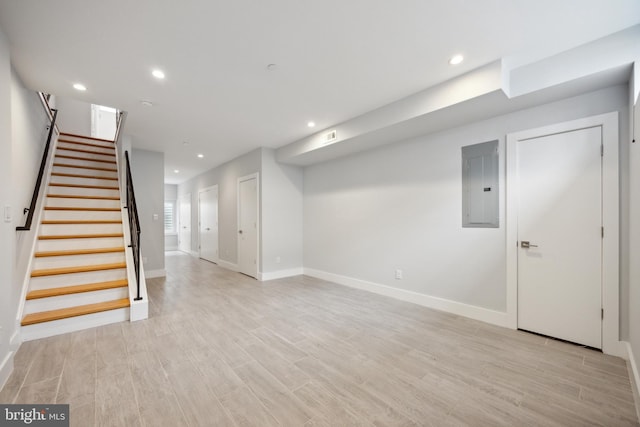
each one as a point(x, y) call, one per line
point(610, 219)
point(72, 324)
point(16, 340)
point(35, 229)
point(199, 251)
point(228, 265)
point(471, 311)
point(256, 176)
point(152, 274)
point(634, 377)
point(6, 367)
point(280, 274)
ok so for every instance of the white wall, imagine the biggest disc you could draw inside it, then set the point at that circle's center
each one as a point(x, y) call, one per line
point(226, 177)
point(171, 195)
point(8, 302)
point(399, 207)
point(29, 123)
point(282, 202)
point(74, 116)
point(147, 171)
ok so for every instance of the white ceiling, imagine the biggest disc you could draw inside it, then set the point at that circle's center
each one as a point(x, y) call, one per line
point(336, 59)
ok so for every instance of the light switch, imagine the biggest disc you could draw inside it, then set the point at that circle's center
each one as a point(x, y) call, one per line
point(155, 217)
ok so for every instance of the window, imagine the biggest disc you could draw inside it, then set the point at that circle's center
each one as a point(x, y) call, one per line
point(170, 217)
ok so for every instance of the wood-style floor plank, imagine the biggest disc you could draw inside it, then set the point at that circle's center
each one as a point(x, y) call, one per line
point(221, 348)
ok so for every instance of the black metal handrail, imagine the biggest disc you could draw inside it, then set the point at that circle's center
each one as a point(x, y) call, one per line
point(134, 225)
point(43, 164)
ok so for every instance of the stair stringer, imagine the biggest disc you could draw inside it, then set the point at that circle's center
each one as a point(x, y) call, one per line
point(29, 239)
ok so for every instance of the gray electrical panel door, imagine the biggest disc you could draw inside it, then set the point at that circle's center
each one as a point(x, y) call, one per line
point(480, 185)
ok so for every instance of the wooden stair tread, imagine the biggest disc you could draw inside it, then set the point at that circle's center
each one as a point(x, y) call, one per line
point(64, 156)
point(73, 196)
point(99, 187)
point(77, 289)
point(79, 252)
point(74, 208)
point(93, 138)
point(81, 221)
point(80, 150)
point(63, 313)
point(79, 236)
point(86, 144)
point(66, 165)
point(77, 269)
point(73, 175)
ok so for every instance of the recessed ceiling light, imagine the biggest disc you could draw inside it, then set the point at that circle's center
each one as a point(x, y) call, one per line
point(80, 87)
point(200, 156)
point(158, 74)
point(147, 103)
point(311, 124)
point(176, 171)
point(456, 59)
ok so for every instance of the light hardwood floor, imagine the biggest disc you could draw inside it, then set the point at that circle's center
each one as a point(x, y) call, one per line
point(222, 349)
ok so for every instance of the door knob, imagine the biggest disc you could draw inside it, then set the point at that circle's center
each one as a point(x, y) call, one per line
point(207, 229)
point(527, 245)
point(240, 231)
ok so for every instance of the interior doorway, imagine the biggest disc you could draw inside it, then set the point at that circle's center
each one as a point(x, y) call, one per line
point(184, 221)
point(248, 225)
point(208, 223)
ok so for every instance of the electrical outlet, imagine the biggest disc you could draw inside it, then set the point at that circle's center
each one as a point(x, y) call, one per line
point(398, 274)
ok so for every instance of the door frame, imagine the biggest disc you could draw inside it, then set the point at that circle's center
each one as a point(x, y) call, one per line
point(255, 175)
point(611, 343)
point(202, 190)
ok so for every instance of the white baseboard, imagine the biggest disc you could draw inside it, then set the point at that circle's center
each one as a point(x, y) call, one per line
point(228, 265)
point(16, 340)
point(471, 311)
point(170, 248)
point(6, 367)
point(150, 274)
point(635, 378)
point(280, 274)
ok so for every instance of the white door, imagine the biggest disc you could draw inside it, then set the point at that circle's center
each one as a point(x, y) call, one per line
point(560, 235)
point(248, 226)
point(184, 234)
point(208, 215)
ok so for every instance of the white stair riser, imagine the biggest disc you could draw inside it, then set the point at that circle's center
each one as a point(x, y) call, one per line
point(87, 163)
point(83, 181)
point(96, 142)
point(86, 215)
point(40, 263)
point(79, 191)
point(48, 282)
point(72, 324)
point(73, 300)
point(96, 148)
point(61, 229)
point(82, 203)
point(80, 171)
point(64, 151)
point(69, 244)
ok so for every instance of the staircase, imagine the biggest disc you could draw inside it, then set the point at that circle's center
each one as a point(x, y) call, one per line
point(79, 276)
